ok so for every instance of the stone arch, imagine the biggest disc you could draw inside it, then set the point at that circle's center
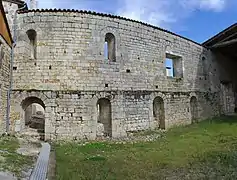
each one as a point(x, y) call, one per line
point(31, 119)
point(159, 112)
point(20, 100)
point(104, 117)
point(194, 109)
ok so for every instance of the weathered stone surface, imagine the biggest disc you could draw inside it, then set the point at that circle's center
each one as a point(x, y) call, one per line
point(69, 74)
point(5, 52)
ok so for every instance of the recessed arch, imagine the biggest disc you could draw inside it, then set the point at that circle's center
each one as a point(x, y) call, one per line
point(30, 100)
point(194, 109)
point(110, 47)
point(159, 112)
point(105, 116)
point(34, 115)
point(32, 35)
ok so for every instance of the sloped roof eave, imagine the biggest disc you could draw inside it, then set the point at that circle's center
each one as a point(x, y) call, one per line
point(6, 22)
point(213, 40)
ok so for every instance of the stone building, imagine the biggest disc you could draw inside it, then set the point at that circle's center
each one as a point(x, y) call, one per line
point(5, 56)
point(103, 75)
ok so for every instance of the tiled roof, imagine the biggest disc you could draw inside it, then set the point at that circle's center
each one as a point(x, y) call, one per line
point(106, 15)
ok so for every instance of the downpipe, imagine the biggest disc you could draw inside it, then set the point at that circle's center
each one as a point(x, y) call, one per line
point(11, 69)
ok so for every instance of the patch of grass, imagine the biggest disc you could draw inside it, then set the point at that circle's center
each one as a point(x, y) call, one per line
point(9, 159)
point(207, 150)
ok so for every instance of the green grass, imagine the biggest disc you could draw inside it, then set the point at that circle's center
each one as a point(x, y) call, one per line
point(10, 160)
point(207, 150)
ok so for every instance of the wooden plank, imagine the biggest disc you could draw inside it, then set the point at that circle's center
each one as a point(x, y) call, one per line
point(226, 43)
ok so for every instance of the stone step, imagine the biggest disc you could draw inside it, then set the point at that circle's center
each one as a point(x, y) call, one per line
point(33, 133)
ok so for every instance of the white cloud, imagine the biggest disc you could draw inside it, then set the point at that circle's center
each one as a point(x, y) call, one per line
point(43, 4)
point(165, 12)
point(69, 4)
point(214, 5)
point(154, 12)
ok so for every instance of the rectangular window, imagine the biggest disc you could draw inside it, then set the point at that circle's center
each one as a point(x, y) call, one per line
point(174, 66)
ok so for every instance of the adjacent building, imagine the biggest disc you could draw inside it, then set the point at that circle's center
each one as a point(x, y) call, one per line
point(5, 57)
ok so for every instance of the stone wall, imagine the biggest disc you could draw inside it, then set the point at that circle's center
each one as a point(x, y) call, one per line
point(70, 55)
point(70, 73)
point(5, 55)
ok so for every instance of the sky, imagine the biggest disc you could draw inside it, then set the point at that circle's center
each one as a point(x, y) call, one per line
point(198, 20)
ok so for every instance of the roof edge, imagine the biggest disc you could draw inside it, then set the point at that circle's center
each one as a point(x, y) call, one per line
point(108, 15)
point(219, 34)
point(6, 22)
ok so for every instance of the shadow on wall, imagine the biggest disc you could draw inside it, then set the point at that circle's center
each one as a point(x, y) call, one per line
point(215, 83)
point(228, 82)
point(206, 101)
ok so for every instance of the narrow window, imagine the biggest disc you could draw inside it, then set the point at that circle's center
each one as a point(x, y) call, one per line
point(204, 66)
point(174, 67)
point(194, 109)
point(109, 47)
point(32, 37)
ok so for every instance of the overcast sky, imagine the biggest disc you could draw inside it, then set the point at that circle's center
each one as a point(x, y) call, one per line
point(195, 19)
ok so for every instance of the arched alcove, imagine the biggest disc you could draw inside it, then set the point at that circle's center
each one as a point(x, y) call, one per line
point(32, 35)
point(105, 116)
point(159, 112)
point(110, 47)
point(34, 115)
point(194, 109)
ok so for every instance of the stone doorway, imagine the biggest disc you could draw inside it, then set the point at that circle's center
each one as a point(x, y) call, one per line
point(159, 112)
point(104, 118)
point(34, 116)
point(194, 109)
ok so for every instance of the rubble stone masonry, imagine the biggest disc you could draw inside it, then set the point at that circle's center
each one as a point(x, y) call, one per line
point(5, 55)
point(67, 73)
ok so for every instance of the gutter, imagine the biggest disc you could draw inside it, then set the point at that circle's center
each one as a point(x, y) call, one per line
point(11, 69)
